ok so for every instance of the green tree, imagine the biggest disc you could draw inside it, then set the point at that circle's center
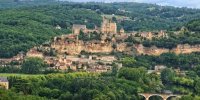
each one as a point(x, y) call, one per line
point(187, 97)
point(128, 61)
point(135, 74)
point(33, 66)
point(167, 75)
point(66, 96)
point(197, 86)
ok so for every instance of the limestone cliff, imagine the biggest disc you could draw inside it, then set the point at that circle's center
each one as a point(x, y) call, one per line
point(75, 48)
point(181, 48)
point(98, 47)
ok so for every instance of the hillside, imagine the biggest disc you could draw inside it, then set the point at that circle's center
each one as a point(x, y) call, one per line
point(145, 16)
point(24, 27)
point(194, 25)
point(158, 53)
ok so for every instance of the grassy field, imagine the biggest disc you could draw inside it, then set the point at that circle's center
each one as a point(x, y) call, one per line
point(20, 75)
point(74, 74)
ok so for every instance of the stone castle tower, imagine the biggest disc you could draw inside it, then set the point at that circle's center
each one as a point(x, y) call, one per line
point(108, 26)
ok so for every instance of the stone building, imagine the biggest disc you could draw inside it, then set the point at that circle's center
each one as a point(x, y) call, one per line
point(159, 67)
point(4, 82)
point(77, 28)
point(108, 26)
point(147, 35)
point(5, 62)
point(162, 34)
point(58, 27)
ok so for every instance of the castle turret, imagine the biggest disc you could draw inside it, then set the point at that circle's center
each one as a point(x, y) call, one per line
point(108, 26)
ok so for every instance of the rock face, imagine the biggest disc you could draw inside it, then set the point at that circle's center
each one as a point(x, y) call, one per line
point(68, 48)
point(75, 48)
point(180, 49)
point(140, 49)
point(72, 46)
point(186, 49)
point(98, 47)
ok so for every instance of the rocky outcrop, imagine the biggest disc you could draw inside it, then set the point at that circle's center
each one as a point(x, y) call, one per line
point(180, 49)
point(186, 48)
point(98, 47)
point(140, 49)
point(71, 45)
point(75, 48)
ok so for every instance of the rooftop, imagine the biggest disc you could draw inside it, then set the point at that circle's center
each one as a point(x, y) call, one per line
point(3, 79)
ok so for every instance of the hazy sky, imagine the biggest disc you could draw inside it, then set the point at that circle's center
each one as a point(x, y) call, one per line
point(177, 3)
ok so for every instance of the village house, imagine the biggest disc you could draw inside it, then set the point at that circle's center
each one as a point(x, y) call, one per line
point(61, 66)
point(18, 58)
point(50, 60)
point(58, 27)
point(107, 59)
point(5, 62)
point(81, 63)
point(147, 35)
point(4, 83)
point(150, 35)
point(159, 68)
point(162, 34)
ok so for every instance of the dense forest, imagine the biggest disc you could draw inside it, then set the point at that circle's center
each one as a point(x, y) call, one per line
point(33, 22)
point(194, 25)
point(23, 28)
point(146, 16)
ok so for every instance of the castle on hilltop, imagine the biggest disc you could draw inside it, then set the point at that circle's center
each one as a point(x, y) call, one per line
point(107, 26)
